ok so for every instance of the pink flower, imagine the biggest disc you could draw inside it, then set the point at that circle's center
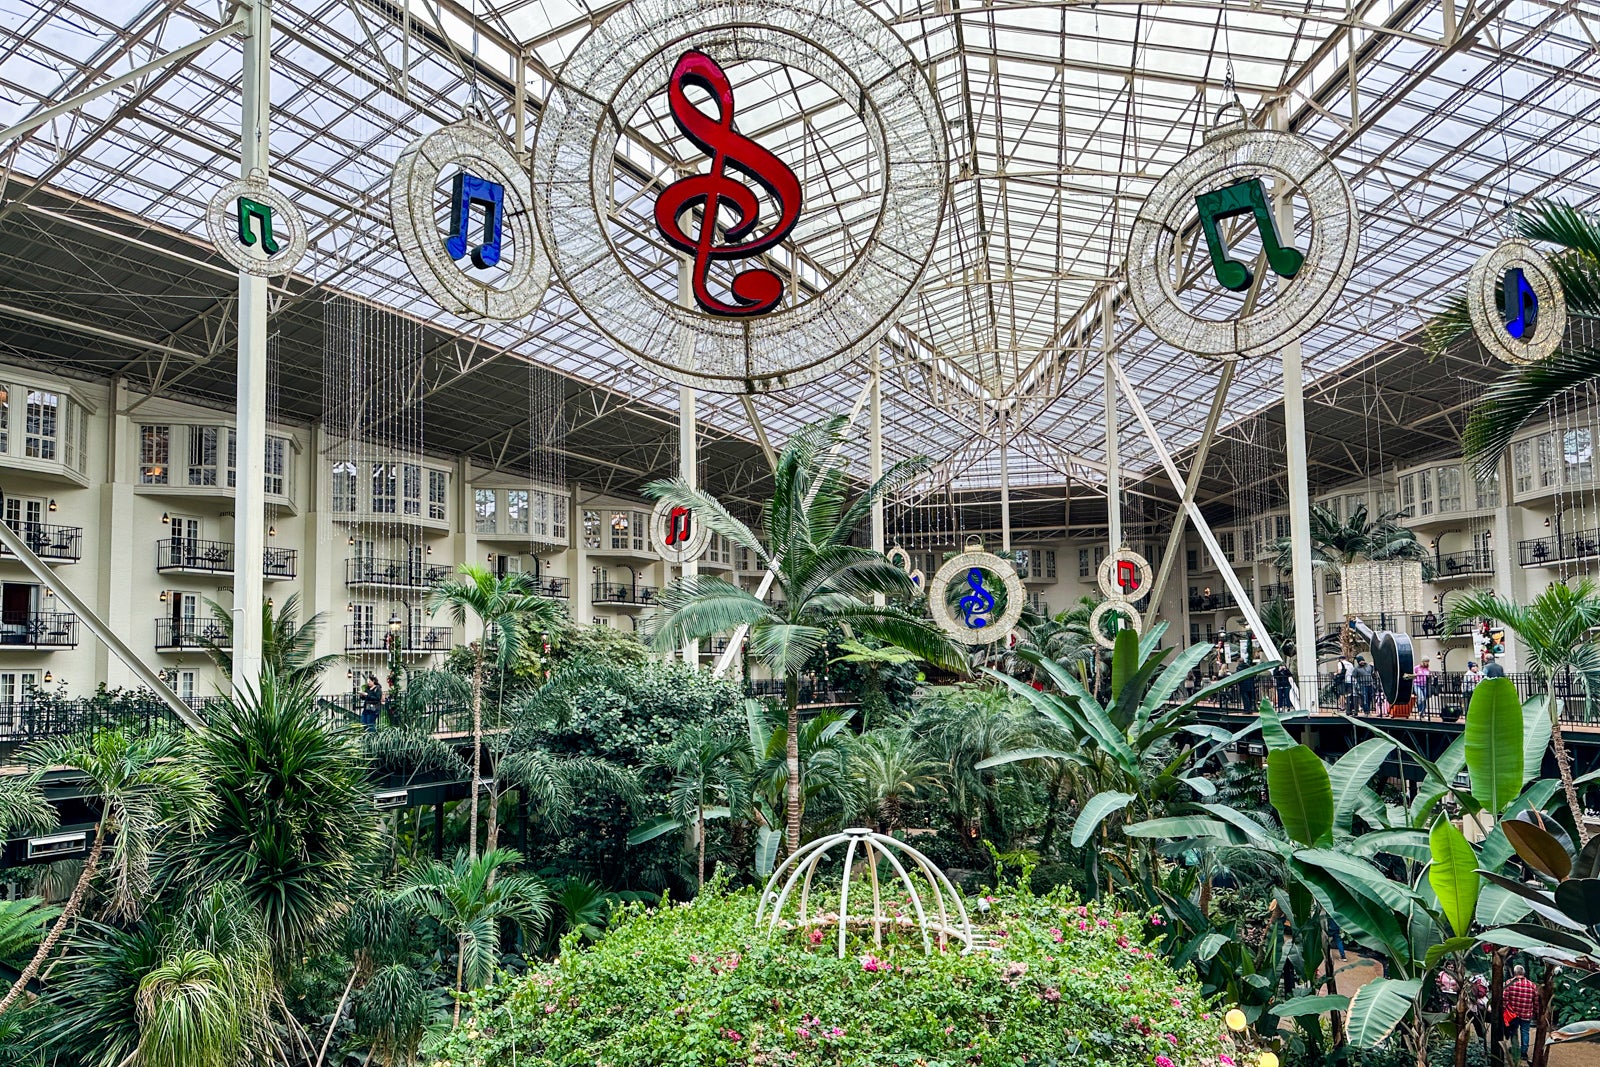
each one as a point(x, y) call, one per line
point(1055, 935)
point(816, 937)
point(1172, 1039)
point(1052, 994)
point(872, 963)
point(1083, 912)
point(1082, 925)
point(1162, 1061)
point(1101, 923)
point(734, 1035)
point(1225, 1060)
point(802, 1032)
point(1122, 942)
point(1014, 970)
point(693, 958)
point(834, 1031)
point(549, 1008)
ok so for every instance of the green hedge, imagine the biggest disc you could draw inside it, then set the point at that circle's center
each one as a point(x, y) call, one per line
point(695, 984)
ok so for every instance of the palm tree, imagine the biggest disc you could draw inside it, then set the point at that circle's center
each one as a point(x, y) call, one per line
point(145, 789)
point(1524, 393)
point(1277, 617)
point(1336, 543)
point(470, 897)
point(821, 752)
point(1064, 637)
point(705, 770)
point(960, 727)
point(1555, 631)
point(288, 646)
point(890, 768)
point(294, 824)
point(508, 608)
point(823, 580)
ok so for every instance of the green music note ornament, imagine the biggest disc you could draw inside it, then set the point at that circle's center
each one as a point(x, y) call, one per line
point(249, 209)
point(1243, 198)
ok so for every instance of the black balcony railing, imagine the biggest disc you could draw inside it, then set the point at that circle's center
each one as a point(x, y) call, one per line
point(193, 556)
point(1569, 545)
point(179, 634)
point(414, 641)
point(57, 544)
point(555, 588)
point(38, 629)
point(1463, 564)
point(393, 572)
point(812, 691)
point(1271, 591)
point(1212, 601)
point(622, 593)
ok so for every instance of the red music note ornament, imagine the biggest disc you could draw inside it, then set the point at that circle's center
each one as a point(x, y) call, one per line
point(677, 526)
point(1127, 576)
point(757, 290)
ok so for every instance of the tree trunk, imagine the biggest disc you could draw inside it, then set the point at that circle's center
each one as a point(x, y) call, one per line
point(1497, 1007)
point(492, 839)
point(1540, 1051)
point(1463, 1031)
point(68, 913)
point(461, 965)
point(338, 1013)
point(1335, 1017)
point(477, 757)
point(700, 850)
point(1564, 766)
point(791, 753)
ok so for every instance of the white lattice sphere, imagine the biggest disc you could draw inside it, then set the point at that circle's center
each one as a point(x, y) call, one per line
point(628, 59)
point(1373, 588)
point(941, 919)
point(1491, 327)
point(1231, 154)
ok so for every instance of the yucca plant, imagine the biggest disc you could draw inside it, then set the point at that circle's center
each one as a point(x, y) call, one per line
point(1524, 393)
point(822, 579)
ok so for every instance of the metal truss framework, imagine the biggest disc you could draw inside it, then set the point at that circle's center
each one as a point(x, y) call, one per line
point(1062, 115)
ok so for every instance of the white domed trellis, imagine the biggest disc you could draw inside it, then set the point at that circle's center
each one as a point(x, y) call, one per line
point(949, 922)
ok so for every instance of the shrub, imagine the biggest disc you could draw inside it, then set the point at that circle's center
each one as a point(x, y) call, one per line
point(696, 984)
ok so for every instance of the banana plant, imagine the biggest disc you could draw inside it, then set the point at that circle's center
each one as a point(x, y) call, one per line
point(1131, 745)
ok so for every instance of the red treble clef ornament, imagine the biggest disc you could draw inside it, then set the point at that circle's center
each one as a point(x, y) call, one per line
point(756, 290)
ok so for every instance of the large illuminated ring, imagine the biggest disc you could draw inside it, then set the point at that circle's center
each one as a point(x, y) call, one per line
point(1490, 271)
point(413, 192)
point(902, 559)
point(682, 551)
point(1230, 154)
point(997, 627)
point(1108, 575)
point(628, 59)
point(288, 228)
point(1121, 607)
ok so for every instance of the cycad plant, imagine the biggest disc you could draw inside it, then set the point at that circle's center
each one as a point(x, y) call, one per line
point(145, 790)
point(890, 770)
point(1556, 634)
point(822, 578)
point(1524, 393)
point(509, 608)
point(469, 898)
point(708, 782)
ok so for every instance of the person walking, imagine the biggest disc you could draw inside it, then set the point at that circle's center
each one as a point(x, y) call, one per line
point(1469, 682)
point(1363, 680)
point(1521, 998)
point(1419, 685)
point(371, 702)
point(1281, 677)
point(1347, 683)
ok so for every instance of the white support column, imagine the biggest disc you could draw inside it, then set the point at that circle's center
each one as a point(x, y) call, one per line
point(875, 455)
point(251, 398)
point(1508, 578)
point(688, 470)
point(1294, 432)
point(1113, 452)
point(1005, 488)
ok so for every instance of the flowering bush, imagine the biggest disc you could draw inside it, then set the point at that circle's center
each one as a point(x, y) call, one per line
point(699, 984)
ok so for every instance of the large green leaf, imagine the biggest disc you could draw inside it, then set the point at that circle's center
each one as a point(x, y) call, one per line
point(1350, 775)
point(1406, 844)
point(1378, 1007)
point(1498, 906)
point(1535, 736)
point(1094, 813)
point(1301, 794)
point(1361, 876)
point(1494, 743)
point(768, 842)
point(1272, 731)
point(1538, 848)
point(653, 829)
point(1362, 918)
point(1178, 827)
point(1312, 1005)
point(1454, 875)
point(1124, 660)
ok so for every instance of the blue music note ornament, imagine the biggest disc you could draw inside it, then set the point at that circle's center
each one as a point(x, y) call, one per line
point(976, 605)
point(1521, 307)
point(470, 191)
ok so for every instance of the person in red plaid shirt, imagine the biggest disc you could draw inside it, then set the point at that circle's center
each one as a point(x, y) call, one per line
point(1522, 1005)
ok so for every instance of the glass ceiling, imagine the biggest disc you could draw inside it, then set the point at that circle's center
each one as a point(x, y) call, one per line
point(1062, 114)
